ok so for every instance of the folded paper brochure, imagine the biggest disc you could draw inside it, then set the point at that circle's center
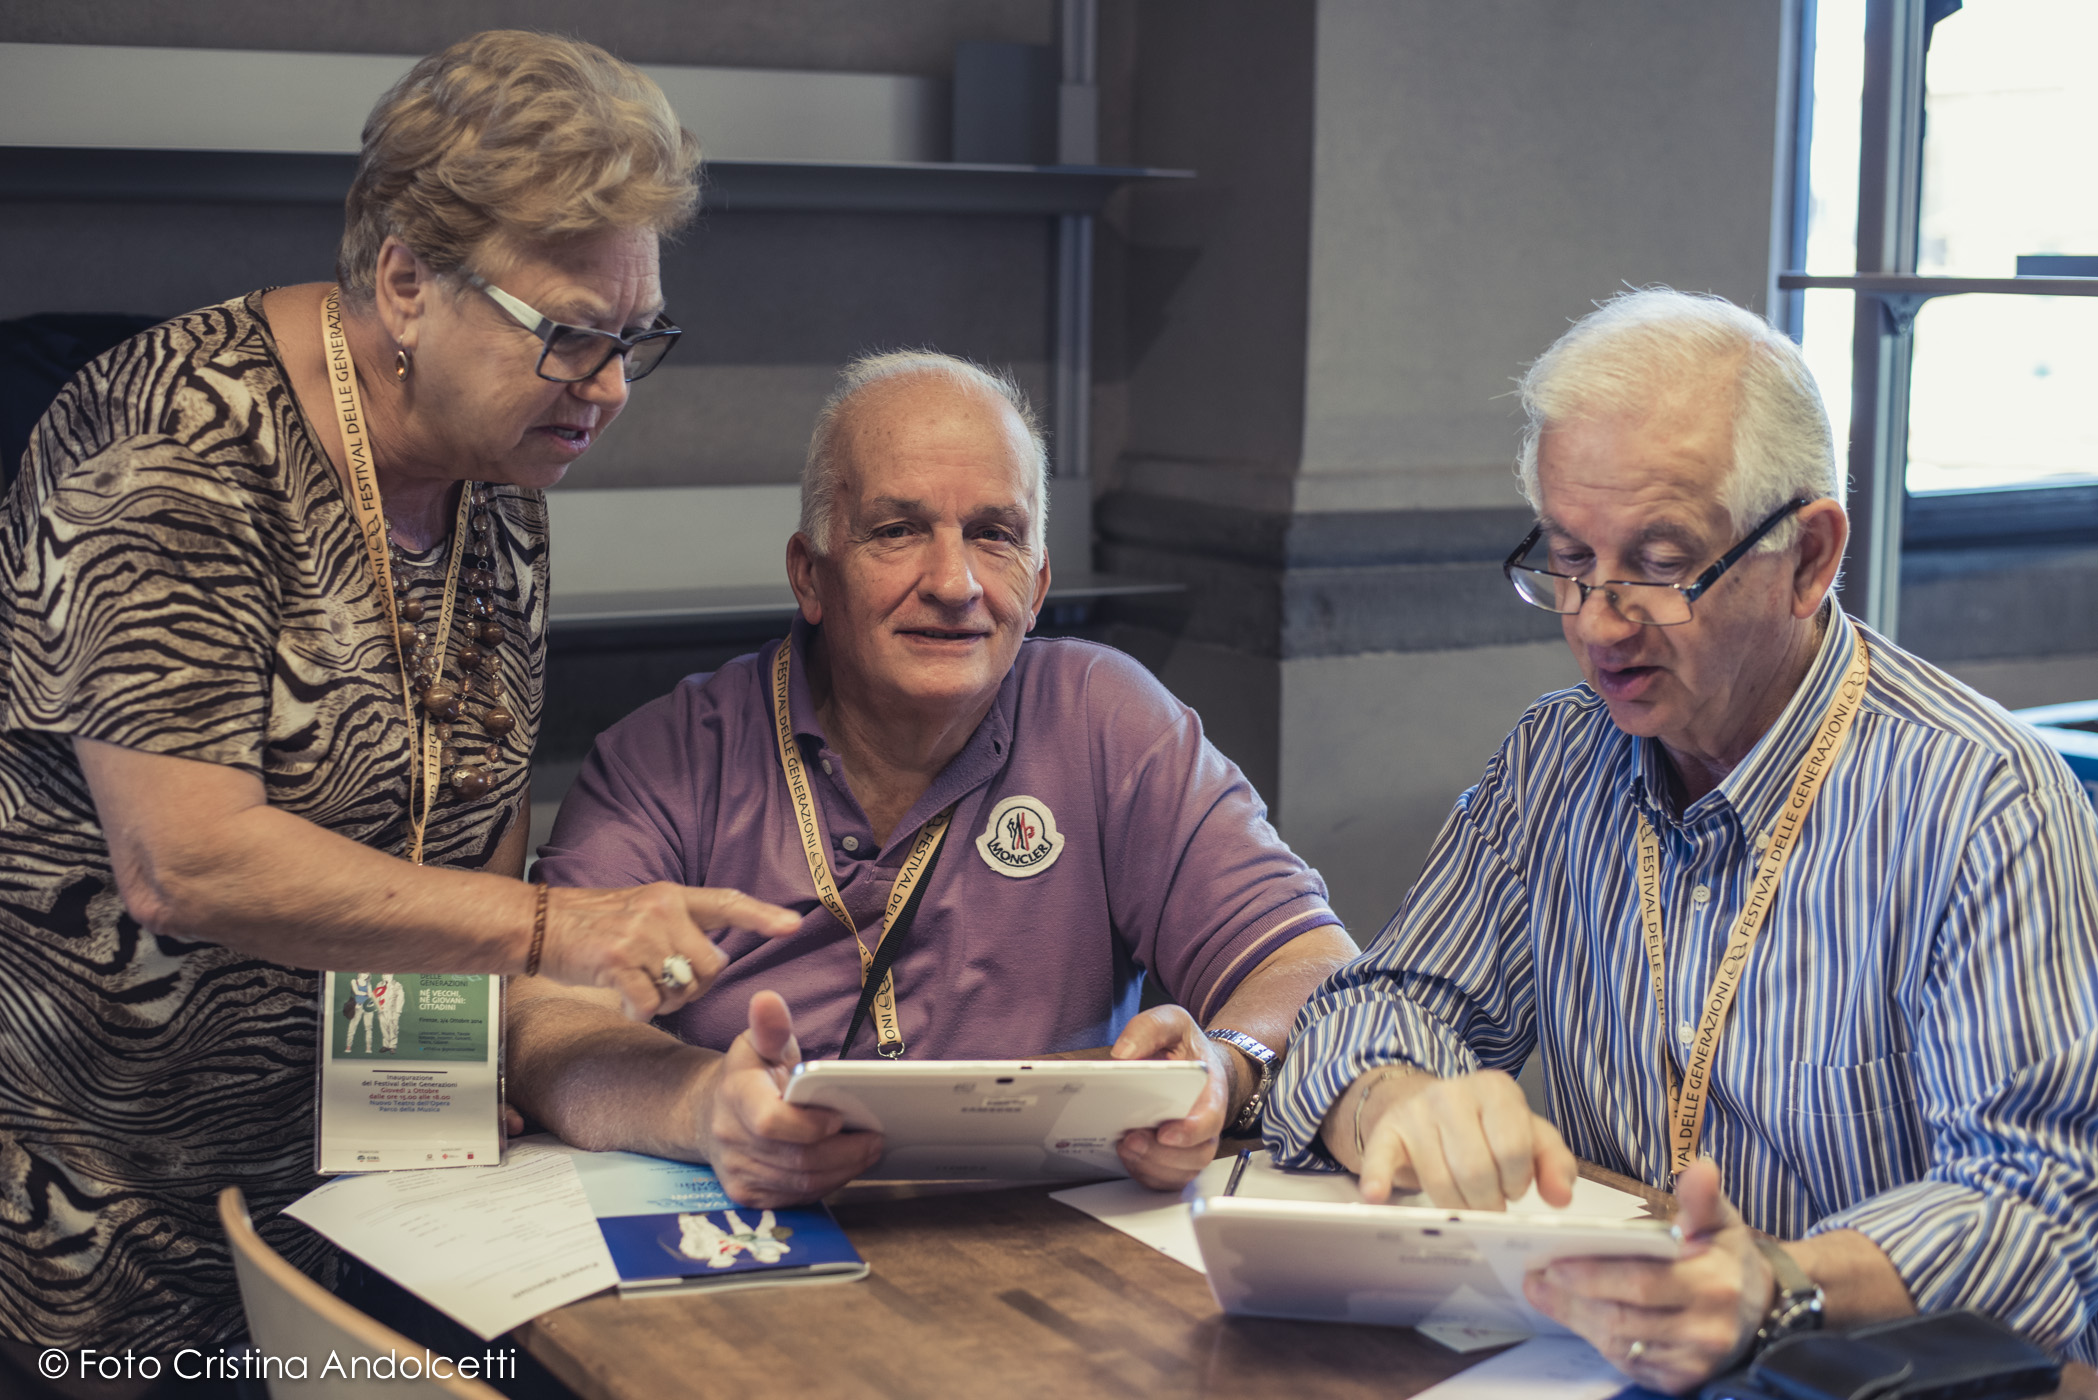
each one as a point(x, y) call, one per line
point(670, 1226)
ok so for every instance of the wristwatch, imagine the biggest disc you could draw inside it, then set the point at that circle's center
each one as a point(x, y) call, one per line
point(1247, 1124)
point(1797, 1306)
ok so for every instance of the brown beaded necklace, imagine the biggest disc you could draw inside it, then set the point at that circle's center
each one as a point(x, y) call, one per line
point(431, 706)
point(468, 769)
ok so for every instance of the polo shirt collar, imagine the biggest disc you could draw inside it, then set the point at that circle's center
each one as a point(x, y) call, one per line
point(1755, 791)
point(988, 750)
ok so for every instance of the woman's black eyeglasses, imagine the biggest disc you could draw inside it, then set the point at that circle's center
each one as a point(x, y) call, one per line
point(571, 354)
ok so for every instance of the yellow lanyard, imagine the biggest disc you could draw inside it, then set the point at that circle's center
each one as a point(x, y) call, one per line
point(371, 523)
point(1686, 1102)
point(887, 1026)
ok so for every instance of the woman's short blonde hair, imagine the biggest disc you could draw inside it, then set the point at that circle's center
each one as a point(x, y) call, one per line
point(513, 134)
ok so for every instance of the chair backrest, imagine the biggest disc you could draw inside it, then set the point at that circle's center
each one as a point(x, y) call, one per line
point(289, 1315)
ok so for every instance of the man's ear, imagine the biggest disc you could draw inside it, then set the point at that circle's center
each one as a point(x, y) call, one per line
point(401, 289)
point(1823, 532)
point(801, 577)
point(1041, 590)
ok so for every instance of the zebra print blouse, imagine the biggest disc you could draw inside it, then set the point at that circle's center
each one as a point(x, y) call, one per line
point(180, 573)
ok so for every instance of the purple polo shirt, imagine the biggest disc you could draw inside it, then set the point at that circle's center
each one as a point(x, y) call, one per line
point(1159, 856)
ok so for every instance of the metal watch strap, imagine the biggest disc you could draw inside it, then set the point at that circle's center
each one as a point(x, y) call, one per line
point(1247, 1123)
point(1796, 1304)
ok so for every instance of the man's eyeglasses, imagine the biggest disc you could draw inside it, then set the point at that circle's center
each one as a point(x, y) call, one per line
point(571, 354)
point(1648, 604)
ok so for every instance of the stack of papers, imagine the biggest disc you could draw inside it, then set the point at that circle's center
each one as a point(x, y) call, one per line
point(491, 1247)
point(1561, 1368)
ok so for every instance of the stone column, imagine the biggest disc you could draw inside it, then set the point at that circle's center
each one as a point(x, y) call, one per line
point(1401, 202)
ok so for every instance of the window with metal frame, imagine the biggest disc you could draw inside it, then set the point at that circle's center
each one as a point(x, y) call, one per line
point(1944, 282)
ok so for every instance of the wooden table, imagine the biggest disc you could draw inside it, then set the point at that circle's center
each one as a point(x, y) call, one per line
point(985, 1292)
point(990, 1292)
point(979, 1291)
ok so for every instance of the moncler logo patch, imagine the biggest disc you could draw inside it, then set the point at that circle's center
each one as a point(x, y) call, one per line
point(1021, 838)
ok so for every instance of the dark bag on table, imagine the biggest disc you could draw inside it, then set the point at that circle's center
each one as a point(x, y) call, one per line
point(1936, 1356)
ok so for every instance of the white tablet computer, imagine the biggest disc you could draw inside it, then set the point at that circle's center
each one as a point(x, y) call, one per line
point(1399, 1265)
point(948, 1120)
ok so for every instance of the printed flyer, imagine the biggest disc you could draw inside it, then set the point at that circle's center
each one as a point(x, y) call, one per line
point(410, 1071)
point(669, 1225)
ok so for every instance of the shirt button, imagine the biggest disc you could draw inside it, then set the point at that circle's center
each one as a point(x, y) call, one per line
point(1762, 840)
point(851, 843)
point(1685, 1033)
point(1700, 896)
point(826, 765)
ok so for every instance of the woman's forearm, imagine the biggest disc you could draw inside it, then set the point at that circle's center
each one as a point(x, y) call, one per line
point(282, 888)
point(199, 855)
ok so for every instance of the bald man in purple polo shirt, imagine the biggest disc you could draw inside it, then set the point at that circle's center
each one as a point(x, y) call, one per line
point(1093, 834)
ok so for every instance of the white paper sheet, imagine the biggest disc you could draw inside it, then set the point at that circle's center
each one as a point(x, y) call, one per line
point(1166, 1224)
point(1543, 1368)
point(1459, 1338)
point(490, 1246)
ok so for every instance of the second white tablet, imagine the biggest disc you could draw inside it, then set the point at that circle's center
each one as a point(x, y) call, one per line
point(1399, 1265)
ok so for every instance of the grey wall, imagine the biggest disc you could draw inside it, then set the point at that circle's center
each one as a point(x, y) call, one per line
point(772, 303)
point(1317, 428)
point(1484, 172)
point(156, 259)
point(1217, 269)
point(1402, 202)
point(880, 36)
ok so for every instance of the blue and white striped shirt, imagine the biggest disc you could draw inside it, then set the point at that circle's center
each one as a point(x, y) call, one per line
point(1913, 1051)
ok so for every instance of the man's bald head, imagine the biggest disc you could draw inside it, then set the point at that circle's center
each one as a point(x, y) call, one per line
point(898, 380)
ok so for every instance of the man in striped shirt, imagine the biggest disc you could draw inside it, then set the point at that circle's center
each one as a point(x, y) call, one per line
point(1797, 923)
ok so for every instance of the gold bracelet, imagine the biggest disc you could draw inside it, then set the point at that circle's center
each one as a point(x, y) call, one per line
point(538, 931)
point(1369, 1087)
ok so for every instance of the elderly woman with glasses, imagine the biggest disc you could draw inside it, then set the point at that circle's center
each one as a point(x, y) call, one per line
point(272, 639)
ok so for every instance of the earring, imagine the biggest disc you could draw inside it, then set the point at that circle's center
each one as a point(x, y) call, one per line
point(401, 364)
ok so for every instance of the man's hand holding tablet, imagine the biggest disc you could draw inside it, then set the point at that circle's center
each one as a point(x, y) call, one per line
point(767, 1152)
point(1471, 1141)
point(1669, 1325)
point(773, 1146)
point(1169, 1156)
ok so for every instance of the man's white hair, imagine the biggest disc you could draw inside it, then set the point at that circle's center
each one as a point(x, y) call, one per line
point(823, 473)
point(1640, 344)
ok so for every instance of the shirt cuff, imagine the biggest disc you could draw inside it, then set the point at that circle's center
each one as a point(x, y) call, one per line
point(1957, 1247)
point(1336, 1042)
